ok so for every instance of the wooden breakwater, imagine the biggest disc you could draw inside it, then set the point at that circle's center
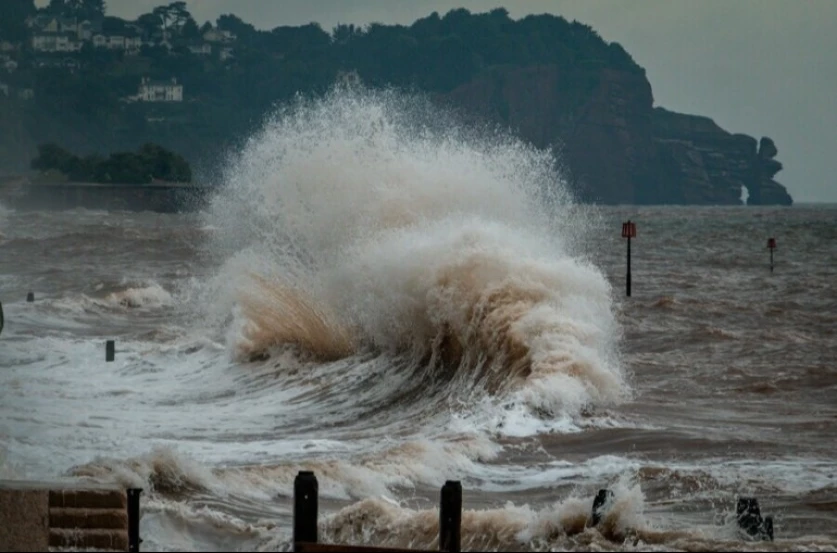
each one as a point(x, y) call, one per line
point(160, 197)
point(37, 516)
point(306, 512)
point(306, 524)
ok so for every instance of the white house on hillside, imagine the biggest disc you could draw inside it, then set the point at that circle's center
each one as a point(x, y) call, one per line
point(203, 49)
point(159, 91)
point(217, 35)
point(57, 42)
point(226, 53)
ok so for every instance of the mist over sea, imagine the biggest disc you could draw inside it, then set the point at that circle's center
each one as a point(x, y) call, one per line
point(391, 299)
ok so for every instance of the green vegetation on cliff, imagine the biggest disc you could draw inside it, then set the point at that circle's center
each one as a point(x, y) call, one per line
point(150, 163)
point(80, 97)
point(200, 90)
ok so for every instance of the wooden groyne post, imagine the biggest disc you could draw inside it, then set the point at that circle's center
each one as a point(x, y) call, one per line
point(450, 517)
point(305, 536)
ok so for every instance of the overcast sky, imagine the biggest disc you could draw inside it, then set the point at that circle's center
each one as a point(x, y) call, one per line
point(761, 67)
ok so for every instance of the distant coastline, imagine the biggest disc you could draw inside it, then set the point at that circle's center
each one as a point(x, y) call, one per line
point(35, 192)
point(81, 78)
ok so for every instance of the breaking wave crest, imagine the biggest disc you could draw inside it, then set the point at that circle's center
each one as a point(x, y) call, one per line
point(277, 314)
point(115, 297)
point(371, 221)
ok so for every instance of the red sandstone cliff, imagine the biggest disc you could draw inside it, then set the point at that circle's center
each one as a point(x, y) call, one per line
point(615, 147)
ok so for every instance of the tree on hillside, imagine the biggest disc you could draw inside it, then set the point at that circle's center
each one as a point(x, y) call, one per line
point(149, 163)
point(426, 26)
point(190, 29)
point(180, 15)
point(150, 23)
point(296, 40)
point(113, 25)
point(89, 9)
point(163, 164)
point(55, 7)
point(13, 14)
point(174, 16)
point(52, 157)
point(343, 34)
point(235, 25)
point(80, 9)
point(163, 14)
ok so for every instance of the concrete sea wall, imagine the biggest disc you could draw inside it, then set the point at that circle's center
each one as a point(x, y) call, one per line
point(36, 516)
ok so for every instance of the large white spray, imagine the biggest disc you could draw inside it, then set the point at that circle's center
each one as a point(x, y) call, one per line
point(373, 220)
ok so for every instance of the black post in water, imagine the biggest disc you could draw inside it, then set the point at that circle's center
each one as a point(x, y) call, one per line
point(599, 503)
point(767, 528)
point(628, 277)
point(450, 517)
point(750, 520)
point(134, 540)
point(771, 245)
point(628, 231)
point(306, 489)
point(1, 317)
point(30, 297)
point(749, 515)
point(110, 350)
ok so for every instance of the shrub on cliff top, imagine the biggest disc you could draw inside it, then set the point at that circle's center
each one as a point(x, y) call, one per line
point(150, 162)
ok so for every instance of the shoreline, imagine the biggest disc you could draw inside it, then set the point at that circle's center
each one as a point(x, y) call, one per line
point(162, 197)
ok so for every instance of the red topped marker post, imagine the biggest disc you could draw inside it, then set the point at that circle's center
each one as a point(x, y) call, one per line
point(771, 245)
point(628, 231)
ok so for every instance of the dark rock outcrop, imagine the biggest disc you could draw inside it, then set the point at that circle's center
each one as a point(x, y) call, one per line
point(616, 148)
point(698, 162)
point(593, 106)
point(763, 189)
point(597, 120)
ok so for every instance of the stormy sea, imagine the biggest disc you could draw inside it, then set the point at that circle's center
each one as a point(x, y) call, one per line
point(392, 299)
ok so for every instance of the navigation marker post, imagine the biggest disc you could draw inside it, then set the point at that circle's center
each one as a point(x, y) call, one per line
point(771, 245)
point(628, 231)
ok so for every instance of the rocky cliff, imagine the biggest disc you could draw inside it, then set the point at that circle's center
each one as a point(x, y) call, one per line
point(698, 162)
point(615, 147)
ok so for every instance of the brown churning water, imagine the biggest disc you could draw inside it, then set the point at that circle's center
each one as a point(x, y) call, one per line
point(392, 302)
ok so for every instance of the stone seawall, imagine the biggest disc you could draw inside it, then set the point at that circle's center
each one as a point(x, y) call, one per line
point(36, 516)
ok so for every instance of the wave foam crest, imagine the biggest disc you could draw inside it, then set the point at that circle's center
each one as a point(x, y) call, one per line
point(374, 221)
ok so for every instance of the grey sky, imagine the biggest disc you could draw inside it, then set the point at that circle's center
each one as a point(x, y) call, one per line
point(761, 67)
